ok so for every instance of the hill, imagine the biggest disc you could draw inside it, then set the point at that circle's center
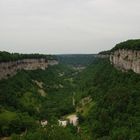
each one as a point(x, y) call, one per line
point(115, 113)
point(32, 96)
point(133, 44)
point(76, 59)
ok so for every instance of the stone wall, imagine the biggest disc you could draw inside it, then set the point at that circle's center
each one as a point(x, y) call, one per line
point(10, 68)
point(126, 60)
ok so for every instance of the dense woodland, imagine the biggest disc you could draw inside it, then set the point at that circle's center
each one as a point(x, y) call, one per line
point(129, 44)
point(112, 114)
point(116, 112)
point(6, 56)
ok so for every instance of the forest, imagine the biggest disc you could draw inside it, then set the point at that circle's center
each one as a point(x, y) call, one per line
point(6, 56)
point(133, 44)
point(116, 113)
point(76, 59)
point(112, 111)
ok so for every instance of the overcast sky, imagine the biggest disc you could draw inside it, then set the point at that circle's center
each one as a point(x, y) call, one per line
point(67, 26)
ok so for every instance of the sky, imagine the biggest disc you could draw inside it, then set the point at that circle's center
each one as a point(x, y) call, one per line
point(67, 26)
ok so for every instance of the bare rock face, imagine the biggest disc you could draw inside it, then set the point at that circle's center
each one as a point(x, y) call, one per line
point(10, 68)
point(102, 56)
point(126, 60)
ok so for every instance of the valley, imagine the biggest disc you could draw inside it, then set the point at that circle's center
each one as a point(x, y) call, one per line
point(45, 95)
point(96, 99)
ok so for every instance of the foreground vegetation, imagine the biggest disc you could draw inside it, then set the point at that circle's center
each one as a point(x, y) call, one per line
point(116, 112)
point(107, 102)
point(35, 95)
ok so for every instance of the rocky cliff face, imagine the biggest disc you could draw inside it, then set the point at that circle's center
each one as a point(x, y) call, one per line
point(10, 68)
point(102, 56)
point(126, 59)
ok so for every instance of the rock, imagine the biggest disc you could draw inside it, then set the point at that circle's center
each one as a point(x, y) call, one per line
point(10, 68)
point(126, 60)
point(73, 119)
point(63, 123)
point(44, 123)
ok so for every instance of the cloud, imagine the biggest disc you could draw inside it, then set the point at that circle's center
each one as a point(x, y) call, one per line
point(67, 26)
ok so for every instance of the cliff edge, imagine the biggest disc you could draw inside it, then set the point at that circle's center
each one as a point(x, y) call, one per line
point(10, 66)
point(126, 56)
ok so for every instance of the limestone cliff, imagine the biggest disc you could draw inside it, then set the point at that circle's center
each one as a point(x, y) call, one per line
point(126, 59)
point(10, 68)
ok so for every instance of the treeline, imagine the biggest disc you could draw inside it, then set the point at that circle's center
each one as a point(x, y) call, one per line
point(6, 56)
point(129, 44)
point(105, 52)
point(76, 59)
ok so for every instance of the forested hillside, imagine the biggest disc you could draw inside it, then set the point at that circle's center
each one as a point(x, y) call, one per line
point(76, 59)
point(107, 103)
point(116, 111)
point(32, 96)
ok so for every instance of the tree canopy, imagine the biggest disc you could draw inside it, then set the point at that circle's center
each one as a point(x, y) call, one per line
point(133, 44)
point(6, 56)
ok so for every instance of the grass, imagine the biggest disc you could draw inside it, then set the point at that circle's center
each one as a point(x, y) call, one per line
point(7, 116)
point(87, 108)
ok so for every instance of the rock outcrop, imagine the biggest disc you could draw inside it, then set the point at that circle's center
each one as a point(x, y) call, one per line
point(126, 59)
point(102, 56)
point(10, 68)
